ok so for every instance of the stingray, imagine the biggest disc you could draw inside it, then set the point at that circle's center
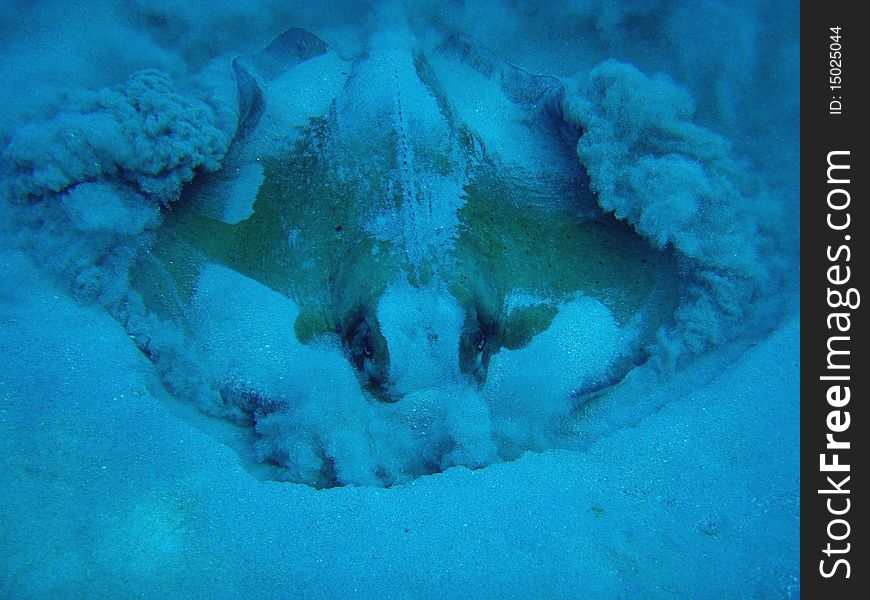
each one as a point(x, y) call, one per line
point(447, 170)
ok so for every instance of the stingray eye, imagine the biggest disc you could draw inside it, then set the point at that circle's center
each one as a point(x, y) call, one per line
point(477, 343)
point(372, 370)
point(367, 344)
point(480, 341)
point(360, 344)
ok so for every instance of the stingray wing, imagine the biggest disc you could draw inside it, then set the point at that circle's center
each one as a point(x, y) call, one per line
point(452, 166)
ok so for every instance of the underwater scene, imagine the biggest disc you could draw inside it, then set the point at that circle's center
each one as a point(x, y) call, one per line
point(399, 299)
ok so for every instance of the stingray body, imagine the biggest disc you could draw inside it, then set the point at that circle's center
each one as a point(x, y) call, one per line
point(443, 184)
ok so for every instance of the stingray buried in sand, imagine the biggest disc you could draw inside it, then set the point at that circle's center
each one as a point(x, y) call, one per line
point(444, 184)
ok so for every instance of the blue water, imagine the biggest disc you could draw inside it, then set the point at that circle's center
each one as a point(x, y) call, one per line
point(399, 299)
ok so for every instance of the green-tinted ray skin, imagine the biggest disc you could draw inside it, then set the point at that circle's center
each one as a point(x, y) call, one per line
point(550, 252)
point(307, 240)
